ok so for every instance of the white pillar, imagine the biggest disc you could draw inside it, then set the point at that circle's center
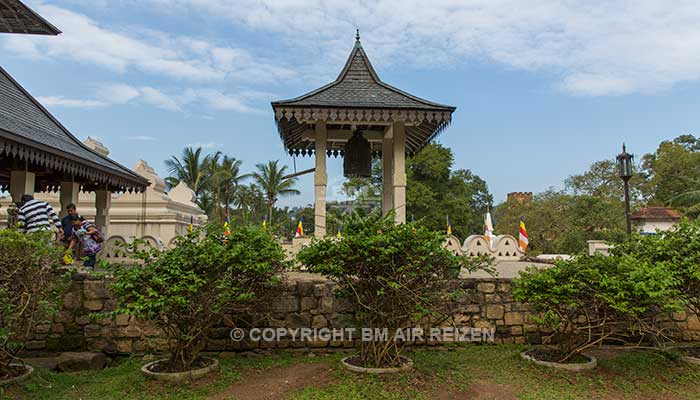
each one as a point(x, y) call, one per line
point(399, 173)
point(21, 183)
point(103, 202)
point(320, 180)
point(387, 172)
point(69, 194)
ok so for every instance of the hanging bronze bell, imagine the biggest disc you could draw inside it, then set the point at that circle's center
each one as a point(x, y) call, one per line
point(358, 157)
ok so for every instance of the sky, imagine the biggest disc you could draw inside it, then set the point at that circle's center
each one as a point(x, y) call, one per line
point(542, 88)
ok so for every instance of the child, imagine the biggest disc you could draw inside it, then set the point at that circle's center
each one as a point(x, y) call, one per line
point(83, 232)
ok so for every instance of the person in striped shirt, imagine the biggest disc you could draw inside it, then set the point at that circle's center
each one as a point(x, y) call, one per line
point(36, 215)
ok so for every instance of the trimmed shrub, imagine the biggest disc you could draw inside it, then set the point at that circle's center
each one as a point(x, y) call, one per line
point(188, 289)
point(394, 275)
point(590, 300)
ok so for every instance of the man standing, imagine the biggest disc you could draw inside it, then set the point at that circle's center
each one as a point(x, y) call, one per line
point(66, 223)
point(36, 215)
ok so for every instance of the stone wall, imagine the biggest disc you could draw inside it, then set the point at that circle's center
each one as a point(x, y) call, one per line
point(304, 302)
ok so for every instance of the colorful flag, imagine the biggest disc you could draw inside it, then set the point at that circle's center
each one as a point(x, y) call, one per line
point(449, 226)
point(264, 224)
point(522, 240)
point(488, 229)
point(340, 231)
point(227, 227)
point(300, 229)
point(191, 228)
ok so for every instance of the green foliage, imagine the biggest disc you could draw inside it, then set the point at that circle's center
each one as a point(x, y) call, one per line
point(674, 168)
point(29, 288)
point(589, 300)
point(676, 251)
point(434, 191)
point(559, 223)
point(395, 275)
point(189, 288)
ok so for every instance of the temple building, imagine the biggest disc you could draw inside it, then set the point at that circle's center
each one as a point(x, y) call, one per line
point(359, 117)
point(38, 153)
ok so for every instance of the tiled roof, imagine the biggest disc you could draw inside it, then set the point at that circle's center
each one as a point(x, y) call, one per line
point(656, 213)
point(28, 125)
point(358, 85)
point(15, 17)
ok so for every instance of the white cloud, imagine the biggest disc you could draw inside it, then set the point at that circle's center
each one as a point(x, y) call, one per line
point(142, 138)
point(72, 103)
point(113, 94)
point(128, 48)
point(207, 145)
point(592, 47)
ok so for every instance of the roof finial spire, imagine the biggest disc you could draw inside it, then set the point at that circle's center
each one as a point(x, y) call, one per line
point(357, 34)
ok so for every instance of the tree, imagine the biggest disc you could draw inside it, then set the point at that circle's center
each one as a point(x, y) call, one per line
point(434, 191)
point(191, 169)
point(224, 180)
point(561, 223)
point(674, 168)
point(602, 180)
point(270, 178)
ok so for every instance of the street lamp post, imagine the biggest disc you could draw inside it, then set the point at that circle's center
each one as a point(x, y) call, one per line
point(624, 162)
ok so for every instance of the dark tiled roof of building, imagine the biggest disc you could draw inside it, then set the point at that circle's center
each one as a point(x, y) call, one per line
point(656, 213)
point(358, 85)
point(15, 17)
point(27, 127)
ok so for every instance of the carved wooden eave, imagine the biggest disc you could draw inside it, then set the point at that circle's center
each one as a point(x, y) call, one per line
point(422, 126)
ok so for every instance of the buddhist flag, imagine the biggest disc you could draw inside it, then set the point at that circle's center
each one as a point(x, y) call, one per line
point(227, 227)
point(522, 239)
point(449, 226)
point(340, 231)
point(191, 228)
point(488, 229)
point(264, 224)
point(300, 229)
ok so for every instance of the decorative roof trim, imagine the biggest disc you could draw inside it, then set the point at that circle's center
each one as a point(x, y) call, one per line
point(360, 115)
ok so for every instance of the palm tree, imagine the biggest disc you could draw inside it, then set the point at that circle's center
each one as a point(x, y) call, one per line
point(270, 178)
point(225, 180)
point(190, 169)
point(250, 200)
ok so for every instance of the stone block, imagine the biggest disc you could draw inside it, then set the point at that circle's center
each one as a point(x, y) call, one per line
point(35, 345)
point(516, 330)
point(494, 311)
point(693, 323)
point(305, 288)
point(285, 304)
point(57, 328)
point(63, 317)
point(308, 303)
point(93, 305)
point(514, 318)
point(679, 316)
point(319, 321)
point(486, 287)
point(72, 301)
point(298, 320)
point(92, 330)
point(493, 299)
point(82, 319)
point(321, 290)
point(95, 290)
point(122, 319)
point(124, 346)
point(326, 306)
point(504, 287)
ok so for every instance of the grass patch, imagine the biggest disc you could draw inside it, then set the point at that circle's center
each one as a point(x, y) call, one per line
point(459, 371)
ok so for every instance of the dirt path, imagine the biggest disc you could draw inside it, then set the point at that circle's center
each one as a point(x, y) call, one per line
point(482, 390)
point(277, 382)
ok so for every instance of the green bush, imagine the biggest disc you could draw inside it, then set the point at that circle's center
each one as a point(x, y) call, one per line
point(394, 275)
point(29, 288)
point(589, 300)
point(677, 250)
point(188, 289)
